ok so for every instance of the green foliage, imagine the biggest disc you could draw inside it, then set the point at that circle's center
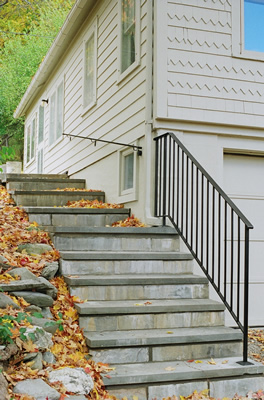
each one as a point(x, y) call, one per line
point(38, 23)
point(7, 324)
point(6, 154)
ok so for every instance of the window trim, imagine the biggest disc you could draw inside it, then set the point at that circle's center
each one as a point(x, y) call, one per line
point(29, 126)
point(137, 62)
point(126, 195)
point(93, 30)
point(55, 91)
point(238, 42)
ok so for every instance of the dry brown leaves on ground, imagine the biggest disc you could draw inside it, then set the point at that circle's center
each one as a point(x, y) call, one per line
point(92, 204)
point(76, 190)
point(129, 222)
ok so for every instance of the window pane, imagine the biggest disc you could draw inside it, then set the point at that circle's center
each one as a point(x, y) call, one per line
point(254, 25)
point(52, 118)
point(128, 52)
point(89, 72)
point(59, 124)
point(129, 171)
point(41, 124)
point(33, 135)
point(28, 144)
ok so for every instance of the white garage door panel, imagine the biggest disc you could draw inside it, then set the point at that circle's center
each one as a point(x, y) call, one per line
point(254, 211)
point(244, 183)
point(244, 175)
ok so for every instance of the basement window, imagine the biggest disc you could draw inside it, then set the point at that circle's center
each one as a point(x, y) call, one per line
point(127, 167)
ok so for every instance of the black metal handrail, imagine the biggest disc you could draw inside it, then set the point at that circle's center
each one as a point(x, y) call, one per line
point(213, 228)
point(138, 149)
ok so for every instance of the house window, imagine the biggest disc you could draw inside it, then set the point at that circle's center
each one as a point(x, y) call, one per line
point(41, 124)
point(128, 181)
point(90, 68)
point(128, 174)
point(56, 114)
point(31, 141)
point(129, 36)
point(248, 29)
point(254, 25)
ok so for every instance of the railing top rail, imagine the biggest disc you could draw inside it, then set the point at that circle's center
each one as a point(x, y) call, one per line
point(210, 179)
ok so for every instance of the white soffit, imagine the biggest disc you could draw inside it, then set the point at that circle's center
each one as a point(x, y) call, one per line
point(72, 24)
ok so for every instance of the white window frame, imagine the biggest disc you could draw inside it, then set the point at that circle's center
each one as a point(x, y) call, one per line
point(136, 63)
point(32, 135)
point(91, 32)
point(57, 137)
point(126, 195)
point(238, 43)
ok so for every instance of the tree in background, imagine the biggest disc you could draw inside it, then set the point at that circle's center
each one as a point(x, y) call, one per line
point(27, 30)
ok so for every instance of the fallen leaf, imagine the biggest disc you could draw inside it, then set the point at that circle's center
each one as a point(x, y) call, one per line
point(170, 368)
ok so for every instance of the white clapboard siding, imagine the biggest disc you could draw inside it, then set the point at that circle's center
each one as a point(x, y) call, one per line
point(119, 112)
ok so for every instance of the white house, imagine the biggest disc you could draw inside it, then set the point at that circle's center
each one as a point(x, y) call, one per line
point(130, 70)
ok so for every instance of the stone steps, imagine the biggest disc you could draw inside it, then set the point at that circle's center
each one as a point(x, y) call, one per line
point(115, 239)
point(6, 177)
point(49, 184)
point(49, 217)
point(222, 376)
point(144, 311)
point(52, 197)
point(160, 314)
point(143, 287)
point(122, 262)
point(150, 345)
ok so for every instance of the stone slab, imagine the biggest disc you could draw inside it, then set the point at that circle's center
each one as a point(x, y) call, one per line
point(156, 306)
point(230, 387)
point(132, 279)
point(67, 210)
point(179, 371)
point(162, 336)
point(125, 255)
point(181, 389)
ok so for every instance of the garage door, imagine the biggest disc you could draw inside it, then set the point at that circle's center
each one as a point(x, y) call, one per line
point(244, 183)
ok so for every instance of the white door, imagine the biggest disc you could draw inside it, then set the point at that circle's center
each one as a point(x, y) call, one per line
point(244, 183)
point(40, 148)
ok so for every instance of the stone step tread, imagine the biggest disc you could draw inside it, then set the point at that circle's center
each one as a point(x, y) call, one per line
point(125, 255)
point(27, 177)
point(175, 371)
point(132, 279)
point(71, 210)
point(148, 231)
point(55, 192)
point(162, 336)
point(54, 179)
point(147, 307)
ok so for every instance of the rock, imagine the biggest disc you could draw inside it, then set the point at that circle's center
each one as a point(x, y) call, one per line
point(32, 308)
point(38, 299)
point(50, 270)
point(75, 380)
point(3, 259)
point(51, 289)
point(36, 388)
point(26, 284)
point(49, 357)
point(6, 301)
point(47, 324)
point(10, 350)
point(36, 359)
point(46, 313)
point(3, 387)
point(24, 273)
point(43, 339)
point(34, 248)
